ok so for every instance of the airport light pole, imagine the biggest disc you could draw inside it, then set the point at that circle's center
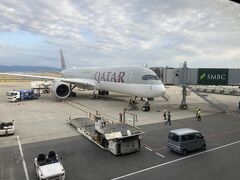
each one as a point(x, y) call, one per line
point(184, 85)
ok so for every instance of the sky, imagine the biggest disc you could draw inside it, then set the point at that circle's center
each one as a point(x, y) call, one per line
point(205, 33)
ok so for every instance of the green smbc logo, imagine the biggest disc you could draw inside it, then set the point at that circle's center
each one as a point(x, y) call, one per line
point(203, 76)
point(213, 76)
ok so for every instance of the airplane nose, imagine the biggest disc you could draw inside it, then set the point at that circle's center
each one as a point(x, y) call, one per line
point(164, 94)
point(162, 90)
point(158, 90)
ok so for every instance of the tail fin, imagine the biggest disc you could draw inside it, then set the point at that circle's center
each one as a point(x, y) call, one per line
point(62, 60)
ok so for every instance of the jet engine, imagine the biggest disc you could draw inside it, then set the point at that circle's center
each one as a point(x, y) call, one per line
point(61, 89)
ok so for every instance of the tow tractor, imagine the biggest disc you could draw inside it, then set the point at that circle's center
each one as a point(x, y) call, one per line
point(6, 128)
point(49, 167)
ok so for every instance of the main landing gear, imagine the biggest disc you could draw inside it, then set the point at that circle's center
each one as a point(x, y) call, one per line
point(100, 93)
point(73, 94)
point(103, 93)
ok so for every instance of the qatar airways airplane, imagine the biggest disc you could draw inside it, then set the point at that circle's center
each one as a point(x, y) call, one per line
point(129, 80)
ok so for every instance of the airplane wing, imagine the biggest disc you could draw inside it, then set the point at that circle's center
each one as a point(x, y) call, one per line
point(85, 83)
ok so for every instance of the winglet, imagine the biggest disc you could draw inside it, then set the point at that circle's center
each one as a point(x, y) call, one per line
point(62, 60)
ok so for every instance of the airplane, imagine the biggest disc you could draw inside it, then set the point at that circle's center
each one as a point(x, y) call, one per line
point(130, 80)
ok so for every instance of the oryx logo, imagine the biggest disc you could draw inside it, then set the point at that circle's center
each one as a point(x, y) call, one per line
point(203, 76)
point(213, 76)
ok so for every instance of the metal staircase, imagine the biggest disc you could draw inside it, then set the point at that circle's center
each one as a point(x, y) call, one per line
point(213, 101)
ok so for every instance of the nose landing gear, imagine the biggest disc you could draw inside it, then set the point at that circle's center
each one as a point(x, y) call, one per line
point(146, 106)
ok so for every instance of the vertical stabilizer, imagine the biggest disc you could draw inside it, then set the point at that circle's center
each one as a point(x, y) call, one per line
point(62, 60)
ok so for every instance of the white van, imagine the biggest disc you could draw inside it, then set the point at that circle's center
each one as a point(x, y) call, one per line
point(185, 140)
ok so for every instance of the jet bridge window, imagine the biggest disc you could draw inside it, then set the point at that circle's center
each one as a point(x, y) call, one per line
point(149, 77)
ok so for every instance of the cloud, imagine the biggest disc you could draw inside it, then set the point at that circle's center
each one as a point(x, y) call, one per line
point(93, 33)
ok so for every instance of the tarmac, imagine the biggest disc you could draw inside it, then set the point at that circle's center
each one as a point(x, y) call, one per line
point(40, 126)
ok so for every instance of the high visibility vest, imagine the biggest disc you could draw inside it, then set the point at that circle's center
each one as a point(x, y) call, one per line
point(199, 113)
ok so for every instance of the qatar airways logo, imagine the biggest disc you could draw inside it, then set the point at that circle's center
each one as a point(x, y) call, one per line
point(110, 76)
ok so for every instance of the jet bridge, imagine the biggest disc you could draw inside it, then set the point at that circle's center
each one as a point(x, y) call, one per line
point(186, 77)
point(198, 76)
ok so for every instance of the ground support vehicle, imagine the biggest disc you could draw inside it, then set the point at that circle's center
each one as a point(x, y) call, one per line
point(6, 128)
point(41, 87)
point(22, 95)
point(185, 140)
point(118, 138)
point(49, 167)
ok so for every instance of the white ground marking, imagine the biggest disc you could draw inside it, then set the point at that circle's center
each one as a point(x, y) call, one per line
point(148, 148)
point(160, 155)
point(176, 160)
point(23, 160)
point(10, 137)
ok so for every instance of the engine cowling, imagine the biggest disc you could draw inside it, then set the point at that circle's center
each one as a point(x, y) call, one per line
point(61, 89)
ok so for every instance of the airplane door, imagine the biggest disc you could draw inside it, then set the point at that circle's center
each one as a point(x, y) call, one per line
point(149, 86)
point(129, 77)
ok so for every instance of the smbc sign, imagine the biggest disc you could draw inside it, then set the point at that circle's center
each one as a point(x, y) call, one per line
point(213, 76)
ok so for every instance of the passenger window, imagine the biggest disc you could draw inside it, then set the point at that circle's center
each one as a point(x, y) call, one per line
point(199, 136)
point(191, 137)
point(184, 138)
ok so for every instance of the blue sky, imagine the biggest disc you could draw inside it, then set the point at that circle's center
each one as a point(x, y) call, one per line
point(20, 38)
point(108, 32)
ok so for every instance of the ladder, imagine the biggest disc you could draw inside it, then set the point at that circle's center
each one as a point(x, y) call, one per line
point(213, 101)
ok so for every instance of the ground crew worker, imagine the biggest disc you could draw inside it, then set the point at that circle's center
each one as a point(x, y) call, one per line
point(165, 114)
point(196, 109)
point(168, 119)
point(130, 102)
point(97, 116)
point(120, 117)
point(199, 115)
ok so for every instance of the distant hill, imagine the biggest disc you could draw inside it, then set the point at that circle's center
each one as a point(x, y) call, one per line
point(38, 69)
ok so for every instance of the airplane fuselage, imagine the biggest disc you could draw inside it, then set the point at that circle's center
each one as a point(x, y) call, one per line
point(130, 80)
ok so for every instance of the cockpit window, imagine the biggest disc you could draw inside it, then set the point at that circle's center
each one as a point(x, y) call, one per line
point(150, 77)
